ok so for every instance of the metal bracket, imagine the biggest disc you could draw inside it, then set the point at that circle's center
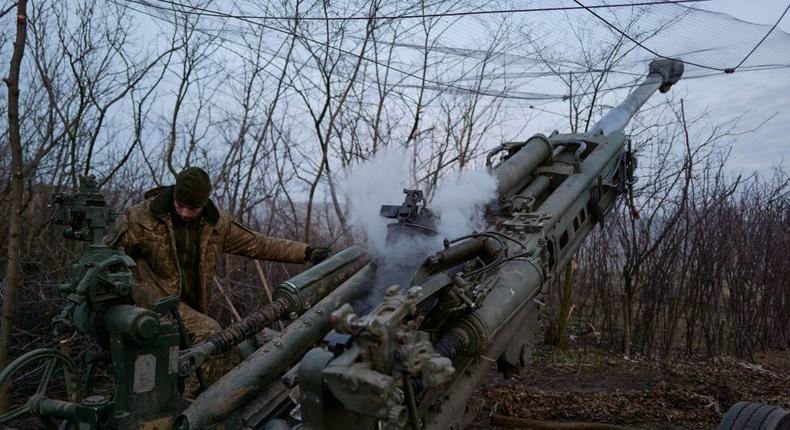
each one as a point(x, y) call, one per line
point(526, 222)
point(522, 203)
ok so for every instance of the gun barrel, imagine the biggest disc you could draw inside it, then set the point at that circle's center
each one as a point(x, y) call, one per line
point(663, 74)
point(270, 361)
point(513, 174)
point(310, 286)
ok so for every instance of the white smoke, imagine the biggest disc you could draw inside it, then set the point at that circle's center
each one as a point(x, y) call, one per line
point(458, 199)
point(459, 202)
point(372, 183)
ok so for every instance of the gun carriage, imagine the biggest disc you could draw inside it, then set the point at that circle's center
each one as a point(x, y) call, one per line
point(412, 360)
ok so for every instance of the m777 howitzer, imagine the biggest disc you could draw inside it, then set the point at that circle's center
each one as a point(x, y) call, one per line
point(411, 361)
point(414, 360)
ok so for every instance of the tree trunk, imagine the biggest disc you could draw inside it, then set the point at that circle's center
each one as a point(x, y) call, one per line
point(565, 306)
point(13, 274)
point(628, 294)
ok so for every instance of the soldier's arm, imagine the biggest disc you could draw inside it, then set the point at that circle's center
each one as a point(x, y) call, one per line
point(122, 235)
point(240, 240)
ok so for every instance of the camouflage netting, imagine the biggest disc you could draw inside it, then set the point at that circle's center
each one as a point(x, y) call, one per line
point(520, 50)
point(501, 63)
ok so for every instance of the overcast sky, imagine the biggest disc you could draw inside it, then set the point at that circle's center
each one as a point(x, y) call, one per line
point(756, 95)
point(757, 11)
point(753, 96)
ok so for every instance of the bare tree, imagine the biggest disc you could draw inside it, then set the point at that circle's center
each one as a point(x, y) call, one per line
point(195, 48)
point(325, 115)
point(13, 271)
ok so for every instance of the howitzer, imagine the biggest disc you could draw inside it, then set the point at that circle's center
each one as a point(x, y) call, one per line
point(417, 357)
point(414, 359)
point(410, 359)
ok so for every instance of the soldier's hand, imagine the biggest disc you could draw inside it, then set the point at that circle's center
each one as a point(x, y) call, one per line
point(317, 254)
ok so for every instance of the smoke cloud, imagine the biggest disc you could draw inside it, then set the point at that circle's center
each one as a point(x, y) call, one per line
point(375, 182)
point(457, 201)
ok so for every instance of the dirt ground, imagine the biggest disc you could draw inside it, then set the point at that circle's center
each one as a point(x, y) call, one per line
point(678, 393)
point(602, 387)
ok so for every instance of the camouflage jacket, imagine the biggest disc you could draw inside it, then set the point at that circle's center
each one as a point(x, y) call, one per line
point(146, 233)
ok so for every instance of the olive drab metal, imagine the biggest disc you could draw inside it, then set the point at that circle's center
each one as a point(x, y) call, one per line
point(348, 358)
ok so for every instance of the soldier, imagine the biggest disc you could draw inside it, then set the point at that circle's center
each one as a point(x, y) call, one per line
point(176, 237)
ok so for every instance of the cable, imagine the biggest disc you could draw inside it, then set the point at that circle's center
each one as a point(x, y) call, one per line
point(546, 111)
point(442, 14)
point(624, 34)
point(248, 18)
point(501, 258)
point(497, 94)
point(687, 78)
point(212, 13)
point(500, 94)
point(760, 42)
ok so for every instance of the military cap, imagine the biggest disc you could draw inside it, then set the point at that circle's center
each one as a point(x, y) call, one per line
point(193, 187)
